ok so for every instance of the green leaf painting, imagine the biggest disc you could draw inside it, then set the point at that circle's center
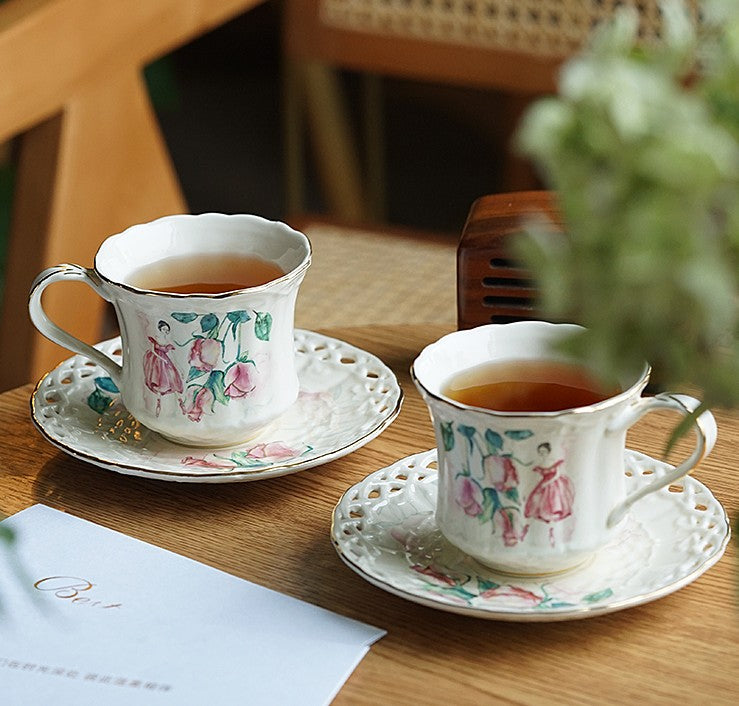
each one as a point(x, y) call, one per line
point(263, 325)
point(447, 436)
point(184, 317)
point(99, 401)
point(106, 384)
point(494, 441)
point(209, 323)
point(215, 384)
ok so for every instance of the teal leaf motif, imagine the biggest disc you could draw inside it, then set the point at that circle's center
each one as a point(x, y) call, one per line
point(242, 459)
point(598, 595)
point(106, 384)
point(486, 585)
point(490, 504)
point(208, 323)
point(447, 436)
point(468, 433)
point(184, 317)
point(519, 434)
point(194, 373)
point(558, 604)
point(494, 441)
point(238, 317)
point(98, 401)
point(215, 383)
point(457, 591)
point(263, 325)
point(512, 494)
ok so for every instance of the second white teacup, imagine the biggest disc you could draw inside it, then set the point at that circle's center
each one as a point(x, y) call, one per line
point(534, 492)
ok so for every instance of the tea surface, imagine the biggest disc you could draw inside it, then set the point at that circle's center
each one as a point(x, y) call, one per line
point(205, 274)
point(526, 386)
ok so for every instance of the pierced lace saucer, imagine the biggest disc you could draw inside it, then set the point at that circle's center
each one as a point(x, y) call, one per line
point(347, 398)
point(384, 529)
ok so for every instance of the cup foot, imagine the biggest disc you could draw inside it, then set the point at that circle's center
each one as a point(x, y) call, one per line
point(519, 573)
point(218, 444)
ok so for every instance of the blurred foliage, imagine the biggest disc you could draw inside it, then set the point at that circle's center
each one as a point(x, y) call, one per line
point(642, 146)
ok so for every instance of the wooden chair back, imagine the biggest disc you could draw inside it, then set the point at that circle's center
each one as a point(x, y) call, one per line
point(90, 159)
point(513, 48)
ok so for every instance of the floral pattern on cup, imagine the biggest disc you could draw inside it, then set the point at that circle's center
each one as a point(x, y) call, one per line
point(219, 370)
point(487, 485)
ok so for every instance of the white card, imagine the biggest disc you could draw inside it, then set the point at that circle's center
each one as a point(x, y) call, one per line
point(100, 617)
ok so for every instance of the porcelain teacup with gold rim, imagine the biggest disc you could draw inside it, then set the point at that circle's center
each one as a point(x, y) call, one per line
point(202, 369)
point(536, 492)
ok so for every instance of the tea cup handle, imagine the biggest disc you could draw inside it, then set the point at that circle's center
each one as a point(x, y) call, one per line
point(706, 433)
point(49, 329)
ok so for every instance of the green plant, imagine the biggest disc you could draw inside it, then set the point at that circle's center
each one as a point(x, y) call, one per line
point(641, 145)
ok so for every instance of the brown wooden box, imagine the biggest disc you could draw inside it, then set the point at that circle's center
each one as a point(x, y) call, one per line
point(491, 286)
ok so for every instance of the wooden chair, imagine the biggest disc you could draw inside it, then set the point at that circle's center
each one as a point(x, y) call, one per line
point(90, 156)
point(492, 287)
point(513, 47)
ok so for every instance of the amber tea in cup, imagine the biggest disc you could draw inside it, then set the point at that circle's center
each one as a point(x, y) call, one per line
point(526, 386)
point(205, 273)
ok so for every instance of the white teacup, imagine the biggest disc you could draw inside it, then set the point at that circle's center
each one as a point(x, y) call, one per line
point(538, 492)
point(200, 369)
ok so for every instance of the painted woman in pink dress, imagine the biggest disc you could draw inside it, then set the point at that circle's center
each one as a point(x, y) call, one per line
point(160, 373)
point(552, 497)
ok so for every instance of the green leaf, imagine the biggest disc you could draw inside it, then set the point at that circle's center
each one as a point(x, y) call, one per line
point(486, 585)
point(209, 323)
point(241, 458)
point(468, 433)
point(598, 595)
point(518, 434)
point(238, 317)
point(184, 317)
point(98, 401)
point(490, 504)
point(215, 383)
point(106, 384)
point(263, 325)
point(512, 494)
point(7, 535)
point(494, 441)
point(447, 435)
point(195, 373)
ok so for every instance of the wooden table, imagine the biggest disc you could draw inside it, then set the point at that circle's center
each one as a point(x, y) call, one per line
point(683, 648)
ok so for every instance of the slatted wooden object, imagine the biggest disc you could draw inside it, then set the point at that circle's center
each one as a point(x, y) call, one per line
point(491, 286)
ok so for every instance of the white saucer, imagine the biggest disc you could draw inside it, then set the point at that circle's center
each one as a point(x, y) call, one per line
point(347, 397)
point(384, 529)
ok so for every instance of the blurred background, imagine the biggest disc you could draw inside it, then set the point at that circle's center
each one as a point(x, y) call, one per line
point(220, 104)
point(262, 107)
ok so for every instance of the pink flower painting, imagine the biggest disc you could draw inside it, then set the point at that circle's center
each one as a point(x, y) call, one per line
point(261, 455)
point(205, 354)
point(201, 402)
point(239, 380)
point(469, 496)
point(499, 472)
point(274, 450)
